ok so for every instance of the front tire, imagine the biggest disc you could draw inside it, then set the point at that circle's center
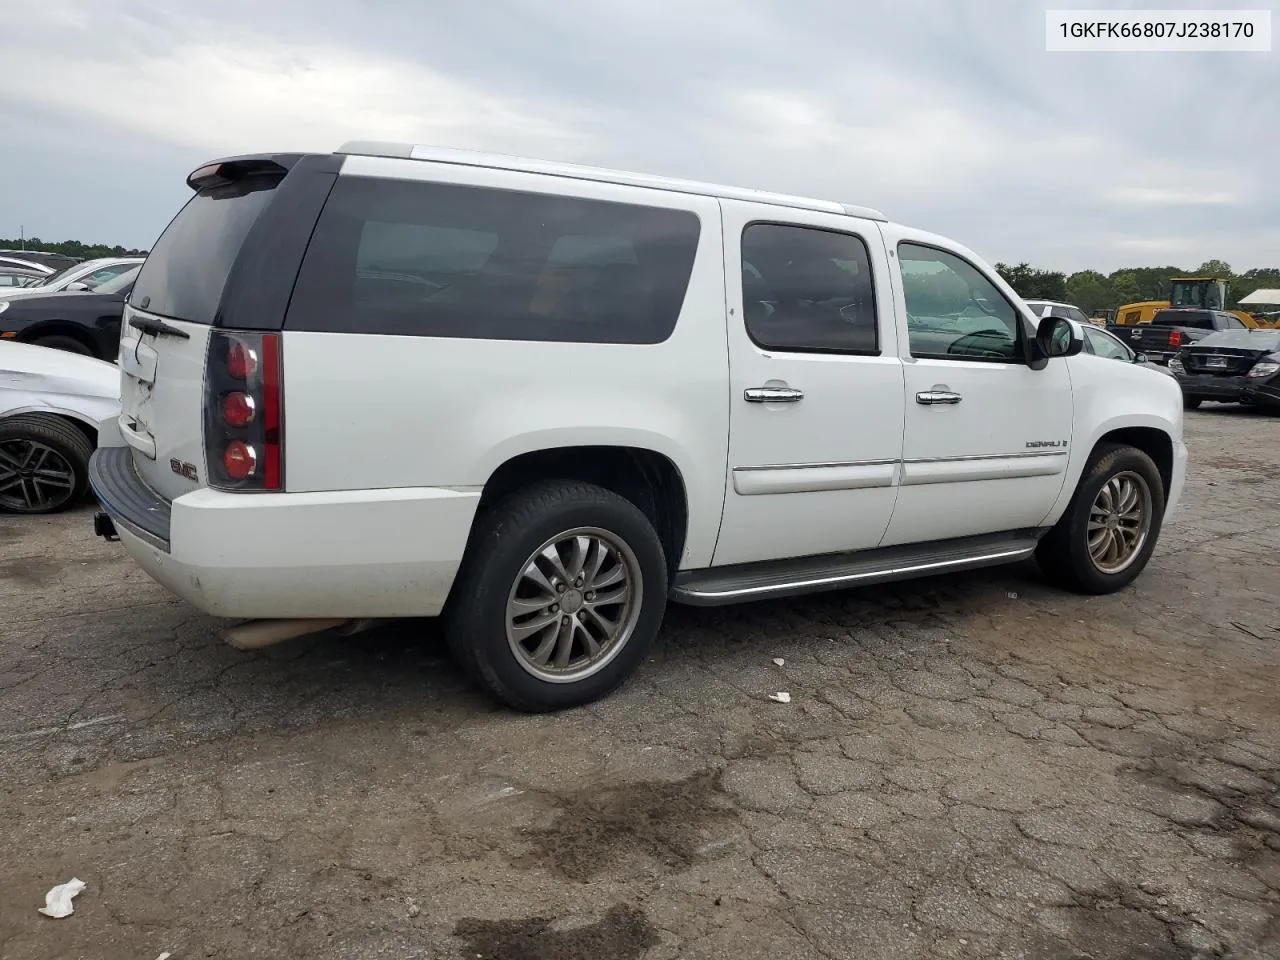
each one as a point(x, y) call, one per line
point(44, 464)
point(559, 598)
point(1107, 534)
point(65, 344)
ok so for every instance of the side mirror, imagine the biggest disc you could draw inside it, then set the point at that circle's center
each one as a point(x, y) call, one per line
point(1140, 358)
point(77, 286)
point(1059, 337)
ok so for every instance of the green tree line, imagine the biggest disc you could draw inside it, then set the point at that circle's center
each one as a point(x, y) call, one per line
point(1092, 291)
point(71, 248)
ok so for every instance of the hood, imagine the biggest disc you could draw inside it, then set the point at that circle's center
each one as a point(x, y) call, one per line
point(28, 367)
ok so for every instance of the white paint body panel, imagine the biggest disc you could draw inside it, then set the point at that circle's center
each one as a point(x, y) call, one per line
point(818, 475)
point(368, 553)
point(966, 466)
point(162, 401)
point(40, 380)
point(1109, 396)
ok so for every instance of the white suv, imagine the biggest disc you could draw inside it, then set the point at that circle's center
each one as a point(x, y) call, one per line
point(541, 400)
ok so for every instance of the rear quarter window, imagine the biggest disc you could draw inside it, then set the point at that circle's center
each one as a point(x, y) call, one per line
point(441, 260)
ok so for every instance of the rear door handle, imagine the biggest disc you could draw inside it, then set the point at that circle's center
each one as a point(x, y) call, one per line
point(773, 395)
point(937, 396)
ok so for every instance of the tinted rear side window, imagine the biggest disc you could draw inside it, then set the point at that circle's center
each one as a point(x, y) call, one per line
point(441, 260)
point(185, 274)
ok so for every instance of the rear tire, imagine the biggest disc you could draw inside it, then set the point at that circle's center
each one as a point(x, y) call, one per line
point(523, 619)
point(1191, 403)
point(1083, 550)
point(44, 464)
point(66, 344)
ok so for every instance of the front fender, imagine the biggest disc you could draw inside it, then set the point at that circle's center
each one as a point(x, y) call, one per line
point(1111, 396)
point(90, 411)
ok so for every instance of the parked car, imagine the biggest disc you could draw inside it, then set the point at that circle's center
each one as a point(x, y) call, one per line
point(51, 405)
point(23, 263)
point(84, 323)
point(1105, 344)
point(1231, 366)
point(1053, 308)
point(53, 261)
point(81, 277)
point(1169, 330)
point(612, 389)
point(16, 278)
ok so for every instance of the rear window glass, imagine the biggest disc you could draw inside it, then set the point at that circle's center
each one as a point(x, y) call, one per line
point(441, 260)
point(1245, 339)
point(185, 273)
point(1191, 318)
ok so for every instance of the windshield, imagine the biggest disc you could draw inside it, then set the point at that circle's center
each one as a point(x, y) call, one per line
point(120, 282)
point(60, 275)
point(1246, 339)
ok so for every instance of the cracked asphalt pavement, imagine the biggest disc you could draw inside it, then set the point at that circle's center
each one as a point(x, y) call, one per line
point(978, 766)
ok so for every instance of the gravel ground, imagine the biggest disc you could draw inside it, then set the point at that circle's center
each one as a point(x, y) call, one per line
point(977, 766)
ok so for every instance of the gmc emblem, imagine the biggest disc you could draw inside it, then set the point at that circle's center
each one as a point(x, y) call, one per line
point(183, 469)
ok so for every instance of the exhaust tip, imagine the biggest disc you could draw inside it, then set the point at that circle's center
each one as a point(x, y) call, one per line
point(256, 634)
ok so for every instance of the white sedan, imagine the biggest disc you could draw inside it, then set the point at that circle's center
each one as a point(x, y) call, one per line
point(51, 403)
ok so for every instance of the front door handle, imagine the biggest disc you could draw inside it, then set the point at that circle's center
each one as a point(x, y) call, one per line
point(937, 396)
point(773, 395)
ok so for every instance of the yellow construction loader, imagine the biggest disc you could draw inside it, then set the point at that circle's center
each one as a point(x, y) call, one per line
point(1202, 293)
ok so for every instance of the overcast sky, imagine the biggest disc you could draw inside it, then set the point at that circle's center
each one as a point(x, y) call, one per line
point(944, 114)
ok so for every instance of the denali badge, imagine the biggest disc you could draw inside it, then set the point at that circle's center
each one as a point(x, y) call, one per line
point(1036, 444)
point(184, 469)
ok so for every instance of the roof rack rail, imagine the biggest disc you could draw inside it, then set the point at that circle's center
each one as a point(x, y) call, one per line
point(409, 151)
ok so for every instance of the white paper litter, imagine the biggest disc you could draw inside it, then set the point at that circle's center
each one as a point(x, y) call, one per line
point(780, 697)
point(164, 956)
point(57, 902)
point(778, 661)
point(1013, 596)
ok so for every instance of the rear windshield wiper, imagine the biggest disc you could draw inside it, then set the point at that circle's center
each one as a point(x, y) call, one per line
point(158, 327)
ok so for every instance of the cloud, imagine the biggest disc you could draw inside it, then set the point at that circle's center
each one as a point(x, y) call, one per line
point(1169, 198)
point(229, 94)
point(947, 116)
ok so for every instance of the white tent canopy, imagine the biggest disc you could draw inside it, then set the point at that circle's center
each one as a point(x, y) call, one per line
point(1267, 297)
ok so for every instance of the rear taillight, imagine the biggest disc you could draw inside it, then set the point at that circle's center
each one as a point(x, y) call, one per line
point(1175, 338)
point(244, 411)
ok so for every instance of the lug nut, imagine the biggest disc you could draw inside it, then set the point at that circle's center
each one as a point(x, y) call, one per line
point(555, 608)
point(591, 596)
point(560, 588)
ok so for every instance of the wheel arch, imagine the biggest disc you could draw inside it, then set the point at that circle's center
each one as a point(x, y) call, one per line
point(648, 478)
point(86, 425)
point(1152, 434)
point(61, 328)
point(1155, 443)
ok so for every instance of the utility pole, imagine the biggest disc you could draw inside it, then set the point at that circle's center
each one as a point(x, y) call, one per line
point(22, 236)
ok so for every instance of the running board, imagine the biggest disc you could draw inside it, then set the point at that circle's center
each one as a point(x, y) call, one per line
point(716, 586)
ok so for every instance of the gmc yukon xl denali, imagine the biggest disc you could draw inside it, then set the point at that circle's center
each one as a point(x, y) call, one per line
point(541, 400)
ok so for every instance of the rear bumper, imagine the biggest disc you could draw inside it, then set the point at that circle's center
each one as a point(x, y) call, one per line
point(341, 554)
point(1209, 387)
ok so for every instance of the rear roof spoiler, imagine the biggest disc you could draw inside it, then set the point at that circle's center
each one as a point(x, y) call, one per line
point(230, 169)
